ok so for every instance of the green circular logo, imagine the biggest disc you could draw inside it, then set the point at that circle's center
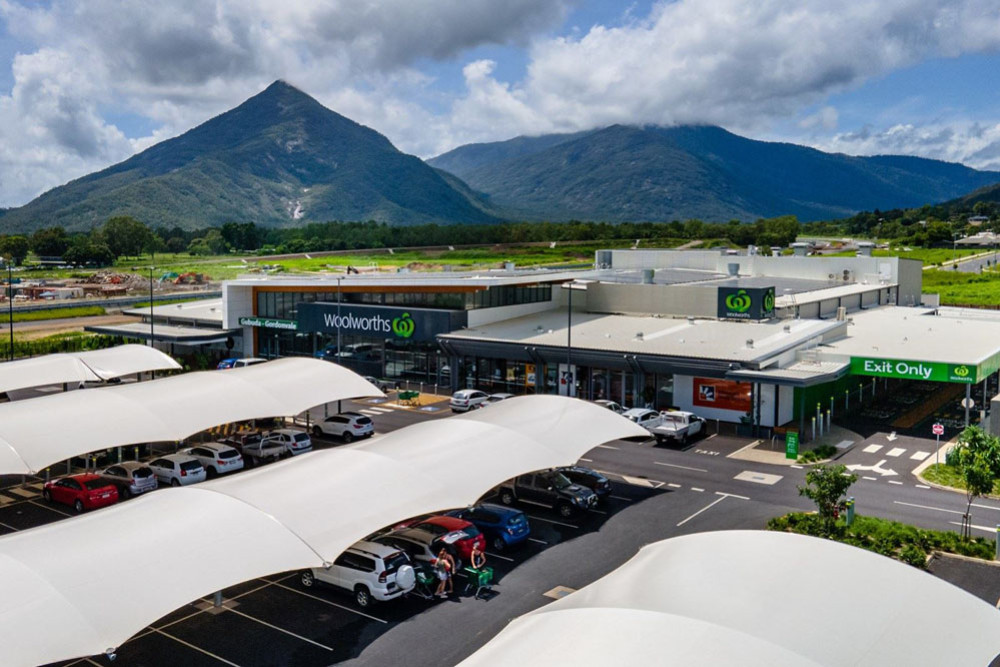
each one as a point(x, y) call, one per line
point(768, 301)
point(961, 371)
point(403, 326)
point(739, 302)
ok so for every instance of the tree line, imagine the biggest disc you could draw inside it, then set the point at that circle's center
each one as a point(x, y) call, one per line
point(128, 237)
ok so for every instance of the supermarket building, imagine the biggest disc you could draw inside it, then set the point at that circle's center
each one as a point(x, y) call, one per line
point(743, 339)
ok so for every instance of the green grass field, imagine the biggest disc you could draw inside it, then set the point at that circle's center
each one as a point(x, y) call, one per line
point(57, 313)
point(929, 256)
point(963, 289)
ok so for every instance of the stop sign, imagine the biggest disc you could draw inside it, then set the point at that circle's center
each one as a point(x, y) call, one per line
point(938, 429)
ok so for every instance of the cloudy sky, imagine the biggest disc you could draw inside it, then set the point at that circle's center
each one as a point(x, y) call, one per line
point(86, 83)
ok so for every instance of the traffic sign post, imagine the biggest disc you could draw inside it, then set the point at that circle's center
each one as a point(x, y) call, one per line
point(938, 430)
point(791, 445)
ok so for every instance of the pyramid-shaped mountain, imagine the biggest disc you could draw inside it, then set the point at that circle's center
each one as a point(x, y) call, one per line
point(279, 159)
point(675, 173)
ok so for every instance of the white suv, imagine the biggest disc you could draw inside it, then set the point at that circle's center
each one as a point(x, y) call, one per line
point(295, 442)
point(216, 458)
point(370, 571)
point(346, 425)
point(467, 399)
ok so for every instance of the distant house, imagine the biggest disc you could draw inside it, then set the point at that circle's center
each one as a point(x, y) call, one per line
point(980, 239)
point(977, 220)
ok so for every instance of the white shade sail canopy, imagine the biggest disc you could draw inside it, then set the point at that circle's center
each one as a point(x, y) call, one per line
point(754, 598)
point(37, 433)
point(81, 586)
point(76, 367)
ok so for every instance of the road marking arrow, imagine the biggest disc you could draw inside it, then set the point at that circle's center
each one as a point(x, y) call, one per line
point(884, 472)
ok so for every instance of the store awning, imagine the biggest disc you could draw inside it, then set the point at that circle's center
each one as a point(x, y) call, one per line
point(799, 374)
point(740, 598)
point(37, 433)
point(166, 333)
point(77, 367)
point(300, 513)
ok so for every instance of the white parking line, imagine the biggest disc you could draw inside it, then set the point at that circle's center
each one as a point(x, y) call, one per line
point(919, 456)
point(922, 486)
point(709, 437)
point(896, 451)
point(628, 500)
point(382, 410)
point(706, 507)
point(10, 527)
point(588, 460)
point(731, 495)
point(673, 486)
point(871, 449)
point(493, 555)
point(893, 481)
point(536, 540)
point(598, 512)
point(928, 507)
point(674, 465)
point(985, 529)
point(870, 479)
point(48, 507)
point(986, 507)
point(797, 467)
point(275, 627)
point(332, 604)
point(695, 488)
point(606, 447)
point(557, 523)
point(200, 650)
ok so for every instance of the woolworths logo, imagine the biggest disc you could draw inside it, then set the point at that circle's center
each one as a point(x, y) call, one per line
point(768, 301)
point(739, 302)
point(961, 371)
point(403, 326)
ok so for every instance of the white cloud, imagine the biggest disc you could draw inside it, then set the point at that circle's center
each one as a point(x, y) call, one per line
point(971, 143)
point(743, 65)
point(180, 62)
point(735, 63)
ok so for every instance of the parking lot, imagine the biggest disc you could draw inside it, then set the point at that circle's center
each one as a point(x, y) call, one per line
point(658, 492)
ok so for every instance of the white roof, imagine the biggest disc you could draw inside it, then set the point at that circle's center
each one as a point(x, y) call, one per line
point(741, 598)
point(703, 339)
point(202, 310)
point(37, 433)
point(487, 278)
point(300, 513)
point(76, 367)
point(897, 332)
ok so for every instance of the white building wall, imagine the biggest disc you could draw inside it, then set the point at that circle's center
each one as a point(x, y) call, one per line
point(786, 396)
point(238, 302)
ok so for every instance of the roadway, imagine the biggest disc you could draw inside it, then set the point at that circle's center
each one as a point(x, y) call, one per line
point(659, 492)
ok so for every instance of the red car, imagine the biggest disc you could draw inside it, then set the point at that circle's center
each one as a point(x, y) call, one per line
point(449, 529)
point(82, 492)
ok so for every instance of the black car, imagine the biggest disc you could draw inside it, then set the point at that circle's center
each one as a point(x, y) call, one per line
point(548, 489)
point(591, 479)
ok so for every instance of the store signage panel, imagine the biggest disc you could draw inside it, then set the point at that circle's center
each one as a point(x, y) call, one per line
point(914, 370)
point(751, 303)
point(721, 394)
point(268, 323)
point(379, 321)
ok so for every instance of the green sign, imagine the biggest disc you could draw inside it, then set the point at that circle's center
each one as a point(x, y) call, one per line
point(791, 445)
point(914, 370)
point(265, 323)
point(751, 303)
point(403, 326)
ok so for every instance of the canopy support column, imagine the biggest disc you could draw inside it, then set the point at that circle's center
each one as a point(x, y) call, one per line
point(968, 401)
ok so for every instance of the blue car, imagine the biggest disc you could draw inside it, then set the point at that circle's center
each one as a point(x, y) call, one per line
point(226, 363)
point(503, 526)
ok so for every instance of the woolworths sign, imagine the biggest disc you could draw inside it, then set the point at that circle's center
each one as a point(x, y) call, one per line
point(914, 370)
point(751, 303)
point(379, 321)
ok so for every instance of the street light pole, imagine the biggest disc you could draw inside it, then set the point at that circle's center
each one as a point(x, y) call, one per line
point(339, 352)
point(10, 306)
point(570, 375)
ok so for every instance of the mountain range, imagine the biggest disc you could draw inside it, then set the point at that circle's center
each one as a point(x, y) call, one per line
point(283, 159)
point(654, 173)
point(280, 158)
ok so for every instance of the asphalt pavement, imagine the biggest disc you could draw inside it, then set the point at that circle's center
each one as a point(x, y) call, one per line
point(658, 492)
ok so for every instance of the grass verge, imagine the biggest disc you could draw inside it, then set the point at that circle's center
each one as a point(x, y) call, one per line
point(946, 475)
point(900, 541)
point(56, 313)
